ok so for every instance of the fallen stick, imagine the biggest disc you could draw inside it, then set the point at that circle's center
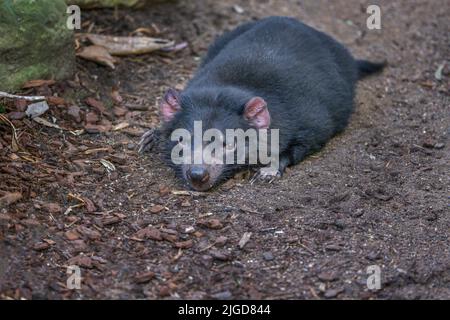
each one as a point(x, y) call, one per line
point(122, 46)
point(28, 98)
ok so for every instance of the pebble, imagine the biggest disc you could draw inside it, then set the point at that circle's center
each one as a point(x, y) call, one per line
point(268, 256)
point(220, 255)
point(224, 295)
point(221, 241)
point(16, 115)
point(331, 293)
point(327, 276)
point(74, 112)
point(206, 260)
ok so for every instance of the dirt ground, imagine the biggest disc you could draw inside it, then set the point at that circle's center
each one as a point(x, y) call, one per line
point(378, 194)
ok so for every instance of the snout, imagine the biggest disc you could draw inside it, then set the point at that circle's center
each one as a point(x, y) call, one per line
point(198, 174)
point(199, 178)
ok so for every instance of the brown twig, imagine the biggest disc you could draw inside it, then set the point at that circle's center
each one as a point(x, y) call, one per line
point(14, 139)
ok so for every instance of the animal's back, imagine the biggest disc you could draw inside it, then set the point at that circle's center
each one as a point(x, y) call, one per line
point(288, 63)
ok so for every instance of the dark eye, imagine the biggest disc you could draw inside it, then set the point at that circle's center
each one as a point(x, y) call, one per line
point(180, 139)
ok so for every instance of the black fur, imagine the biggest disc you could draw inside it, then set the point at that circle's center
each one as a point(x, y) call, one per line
point(306, 77)
point(367, 68)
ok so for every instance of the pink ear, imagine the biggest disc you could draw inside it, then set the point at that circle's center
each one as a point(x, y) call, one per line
point(170, 105)
point(256, 113)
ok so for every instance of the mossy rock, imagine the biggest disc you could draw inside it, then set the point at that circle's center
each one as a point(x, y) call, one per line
point(35, 42)
point(89, 4)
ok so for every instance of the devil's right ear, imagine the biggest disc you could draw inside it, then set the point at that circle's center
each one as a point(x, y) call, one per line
point(170, 105)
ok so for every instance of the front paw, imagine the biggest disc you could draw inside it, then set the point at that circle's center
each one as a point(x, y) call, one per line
point(266, 174)
point(148, 141)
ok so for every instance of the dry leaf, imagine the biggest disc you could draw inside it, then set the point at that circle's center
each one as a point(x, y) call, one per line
point(98, 105)
point(128, 45)
point(144, 277)
point(156, 209)
point(37, 83)
point(121, 126)
point(56, 101)
point(97, 54)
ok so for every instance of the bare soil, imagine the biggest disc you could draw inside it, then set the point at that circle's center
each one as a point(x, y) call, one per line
point(378, 194)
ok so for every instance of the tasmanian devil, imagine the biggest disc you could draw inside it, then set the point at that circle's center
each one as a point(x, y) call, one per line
point(275, 73)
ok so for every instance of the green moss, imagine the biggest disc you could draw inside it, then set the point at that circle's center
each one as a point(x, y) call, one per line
point(2, 109)
point(34, 42)
point(106, 3)
point(25, 73)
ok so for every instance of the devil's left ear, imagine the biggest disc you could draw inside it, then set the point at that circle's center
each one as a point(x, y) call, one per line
point(170, 105)
point(256, 113)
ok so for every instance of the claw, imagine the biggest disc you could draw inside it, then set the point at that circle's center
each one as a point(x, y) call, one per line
point(148, 141)
point(268, 174)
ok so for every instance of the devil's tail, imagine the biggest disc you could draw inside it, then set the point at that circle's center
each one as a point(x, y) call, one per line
point(367, 68)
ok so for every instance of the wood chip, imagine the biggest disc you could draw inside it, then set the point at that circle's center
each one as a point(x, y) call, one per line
point(72, 235)
point(52, 207)
point(211, 223)
point(41, 246)
point(90, 233)
point(156, 209)
point(245, 238)
point(110, 220)
point(10, 198)
point(81, 260)
point(144, 277)
point(184, 244)
point(149, 233)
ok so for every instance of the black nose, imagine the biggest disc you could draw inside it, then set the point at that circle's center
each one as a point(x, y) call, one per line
point(198, 174)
